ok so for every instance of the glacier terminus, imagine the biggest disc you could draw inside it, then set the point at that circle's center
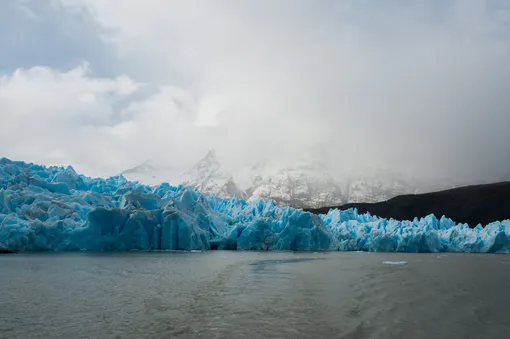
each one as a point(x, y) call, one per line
point(56, 209)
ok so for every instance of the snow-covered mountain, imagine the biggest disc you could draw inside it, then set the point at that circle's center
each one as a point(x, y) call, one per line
point(306, 185)
point(303, 185)
point(208, 177)
point(376, 186)
point(152, 173)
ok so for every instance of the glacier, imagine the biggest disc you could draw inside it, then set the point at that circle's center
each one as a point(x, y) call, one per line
point(56, 209)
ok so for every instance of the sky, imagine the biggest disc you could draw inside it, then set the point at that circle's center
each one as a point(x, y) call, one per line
point(416, 87)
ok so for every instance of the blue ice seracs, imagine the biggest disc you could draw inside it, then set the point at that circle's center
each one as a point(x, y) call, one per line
point(56, 209)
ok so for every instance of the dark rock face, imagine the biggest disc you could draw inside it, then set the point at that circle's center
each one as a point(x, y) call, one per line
point(478, 204)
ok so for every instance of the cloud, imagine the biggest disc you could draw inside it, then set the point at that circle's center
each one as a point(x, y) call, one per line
point(46, 114)
point(37, 33)
point(100, 125)
point(417, 87)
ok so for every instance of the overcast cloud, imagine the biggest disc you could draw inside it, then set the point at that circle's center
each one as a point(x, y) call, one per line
point(421, 87)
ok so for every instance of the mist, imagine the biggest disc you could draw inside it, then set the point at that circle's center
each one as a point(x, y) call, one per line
point(415, 87)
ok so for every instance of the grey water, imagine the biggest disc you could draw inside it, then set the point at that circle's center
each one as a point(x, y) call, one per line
point(254, 295)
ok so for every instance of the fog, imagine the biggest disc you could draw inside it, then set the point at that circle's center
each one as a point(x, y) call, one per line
point(415, 87)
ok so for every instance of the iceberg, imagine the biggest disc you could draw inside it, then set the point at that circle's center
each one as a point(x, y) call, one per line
point(56, 209)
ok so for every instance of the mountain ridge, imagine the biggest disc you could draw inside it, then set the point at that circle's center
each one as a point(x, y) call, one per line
point(305, 184)
point(472, 204)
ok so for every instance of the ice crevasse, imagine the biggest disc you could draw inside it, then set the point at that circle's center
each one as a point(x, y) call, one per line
point(56, 209)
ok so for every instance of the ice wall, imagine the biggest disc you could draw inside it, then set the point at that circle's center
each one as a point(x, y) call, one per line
point(56, 209)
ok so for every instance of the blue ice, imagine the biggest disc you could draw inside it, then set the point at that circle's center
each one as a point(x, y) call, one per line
point(57, 209)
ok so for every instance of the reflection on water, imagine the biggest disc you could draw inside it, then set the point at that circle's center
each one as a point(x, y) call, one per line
point(255, 295)
point(284, 261)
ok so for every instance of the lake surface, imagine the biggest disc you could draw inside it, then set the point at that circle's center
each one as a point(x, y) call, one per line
point(254, 295)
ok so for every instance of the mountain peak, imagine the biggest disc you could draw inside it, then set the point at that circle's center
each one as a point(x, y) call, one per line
point(144, 167)
point(208, 177)
point(211, 154)
point(205, 166)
